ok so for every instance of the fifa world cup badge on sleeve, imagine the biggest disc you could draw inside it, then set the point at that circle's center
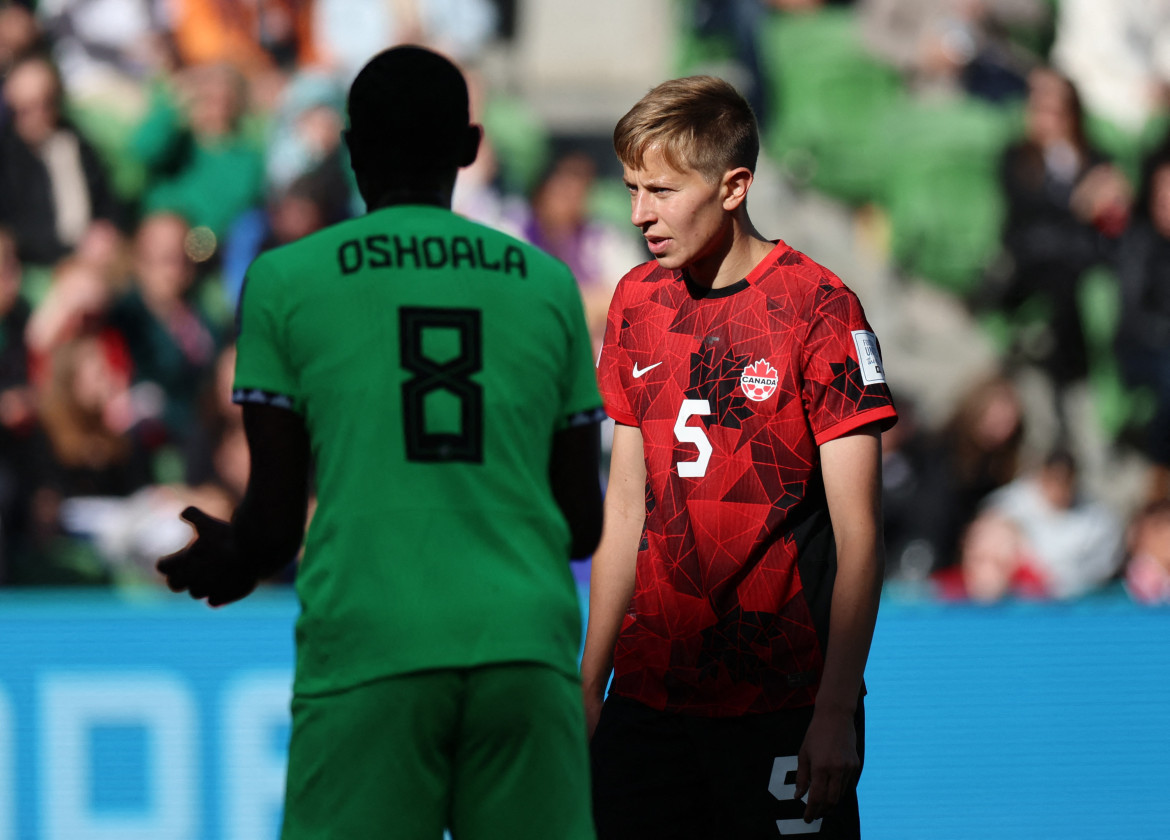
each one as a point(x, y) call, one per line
point(868, 358)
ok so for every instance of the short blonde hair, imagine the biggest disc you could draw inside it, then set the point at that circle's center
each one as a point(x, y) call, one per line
point(698, 123)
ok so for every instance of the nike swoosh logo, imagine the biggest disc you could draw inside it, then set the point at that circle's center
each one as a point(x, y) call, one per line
point(639, 372)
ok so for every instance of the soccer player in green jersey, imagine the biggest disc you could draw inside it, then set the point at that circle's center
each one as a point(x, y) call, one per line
point(438, 375)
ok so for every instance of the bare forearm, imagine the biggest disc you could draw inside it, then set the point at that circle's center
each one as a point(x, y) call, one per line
point(611, 584)
point(269, 523)
point(854, 613)
point(267, 538)
point(852, 473)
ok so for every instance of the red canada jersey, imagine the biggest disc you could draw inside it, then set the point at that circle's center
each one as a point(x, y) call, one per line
point(734, 389)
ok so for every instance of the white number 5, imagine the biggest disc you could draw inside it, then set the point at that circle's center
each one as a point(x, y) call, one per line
point(783, 767)
point(695, 435)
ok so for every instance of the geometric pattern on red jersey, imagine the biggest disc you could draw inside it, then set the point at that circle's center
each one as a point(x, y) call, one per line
point(735, 570)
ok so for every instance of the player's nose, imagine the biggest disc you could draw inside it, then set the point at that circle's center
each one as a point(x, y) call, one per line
point(641, 210)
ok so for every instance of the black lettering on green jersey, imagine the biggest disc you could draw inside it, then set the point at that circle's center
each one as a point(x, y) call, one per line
point(376, 245)
point(350, 256)
point(514, 259)
point(412, 251)
point(461, 252)
point(434, 252)
point(483, 260)
point(452, 376)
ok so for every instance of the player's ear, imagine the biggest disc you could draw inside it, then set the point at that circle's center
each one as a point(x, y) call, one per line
point(469, 148)
point(736, 183)
point(353, 147)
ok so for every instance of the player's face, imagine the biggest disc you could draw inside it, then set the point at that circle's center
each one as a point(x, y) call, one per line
point(683, 217)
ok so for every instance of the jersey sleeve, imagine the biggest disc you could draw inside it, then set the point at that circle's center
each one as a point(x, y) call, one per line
point(582, 403)
point(263, 372)
point(844, 381)
point(613, 361)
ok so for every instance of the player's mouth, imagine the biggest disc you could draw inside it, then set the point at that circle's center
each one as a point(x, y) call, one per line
point(658, 244)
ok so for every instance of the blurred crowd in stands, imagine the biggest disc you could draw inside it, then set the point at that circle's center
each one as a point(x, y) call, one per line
point(1014, 154)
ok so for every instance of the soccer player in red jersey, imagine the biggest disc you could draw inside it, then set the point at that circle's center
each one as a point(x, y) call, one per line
point(735, 590)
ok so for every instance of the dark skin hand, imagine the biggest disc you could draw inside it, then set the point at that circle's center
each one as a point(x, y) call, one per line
point(209, 566)
point(226, 560)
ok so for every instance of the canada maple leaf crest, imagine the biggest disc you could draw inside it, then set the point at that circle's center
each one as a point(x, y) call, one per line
point(759, 380)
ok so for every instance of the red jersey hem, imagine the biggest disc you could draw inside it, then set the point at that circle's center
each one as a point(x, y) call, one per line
point(885, 412)
point(624, 419)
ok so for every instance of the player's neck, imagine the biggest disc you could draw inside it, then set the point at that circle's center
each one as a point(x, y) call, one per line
point(732, 259)
point(412, 195)
point(388, 189)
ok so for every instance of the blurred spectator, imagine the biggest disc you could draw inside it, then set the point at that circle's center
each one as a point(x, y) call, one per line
point(560, 223)
point(1040, 535)
point(19, 36)
point(78, 300)
point(994, 565)
point(1147, 569)
point(906, 452)
point(304, 137)
point(739, 21)
point(17, 412)
point(105, 248)
point(201, 164)
point(936, 482)
point(1143, 334)
point(307, 205)
point(251, 35)
point(955, 45)
point(1062, 197)
point(16, 408)
point(480, 189)
point(171, 342)
point(86, 447)
point(216, 454)
point(106, 49)
point(1118, 55)
point(347, 33)
point(53, 186)
point(479, 197)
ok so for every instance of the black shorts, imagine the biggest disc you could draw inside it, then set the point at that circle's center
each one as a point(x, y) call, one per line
point(664, 776)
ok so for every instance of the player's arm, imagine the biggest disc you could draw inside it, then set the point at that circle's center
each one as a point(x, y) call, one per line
point(227, 559)
point(611, 584)
point(575, 474)
point(829, 763)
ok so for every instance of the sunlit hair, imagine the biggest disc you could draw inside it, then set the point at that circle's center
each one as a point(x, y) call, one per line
point(78, 433)
point(698, 123)
point(8, 249)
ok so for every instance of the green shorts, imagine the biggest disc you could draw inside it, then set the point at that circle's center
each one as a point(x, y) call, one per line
point(491, 752)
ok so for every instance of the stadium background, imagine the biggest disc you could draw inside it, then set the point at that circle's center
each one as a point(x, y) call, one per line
point(126, 713)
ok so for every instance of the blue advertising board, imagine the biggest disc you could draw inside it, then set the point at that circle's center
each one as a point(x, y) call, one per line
point(147, 719)
point(156, 718)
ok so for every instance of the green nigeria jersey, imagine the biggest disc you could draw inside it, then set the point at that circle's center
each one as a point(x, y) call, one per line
point(432, 359)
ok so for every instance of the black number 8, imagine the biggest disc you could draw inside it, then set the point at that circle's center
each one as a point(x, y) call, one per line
point(452, 376)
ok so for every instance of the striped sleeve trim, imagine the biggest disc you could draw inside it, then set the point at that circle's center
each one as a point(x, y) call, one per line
point(256, 396)
point(584, 418)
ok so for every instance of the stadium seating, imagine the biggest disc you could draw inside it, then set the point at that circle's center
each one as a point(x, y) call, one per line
point(941, 189)
point(830, 98)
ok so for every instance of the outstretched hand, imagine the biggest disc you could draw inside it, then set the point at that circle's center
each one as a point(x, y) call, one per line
point(209, 566)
